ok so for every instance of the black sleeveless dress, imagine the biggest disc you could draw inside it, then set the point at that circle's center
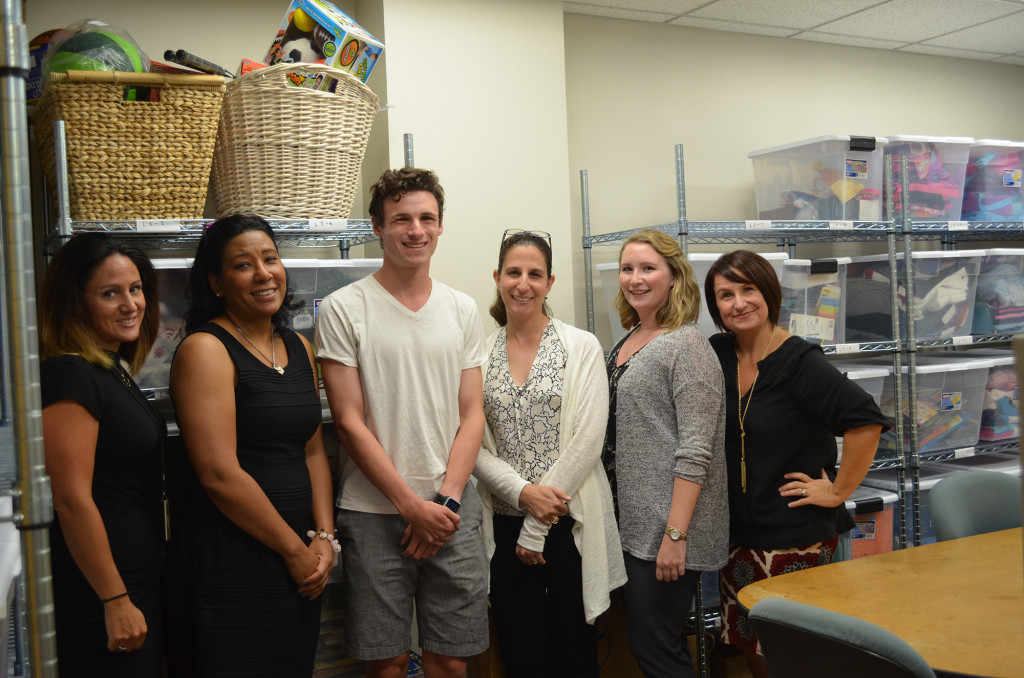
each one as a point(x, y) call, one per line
point(126, 489)
point(233, 609)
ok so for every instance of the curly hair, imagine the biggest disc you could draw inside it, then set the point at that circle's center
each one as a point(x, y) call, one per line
point(393, 184)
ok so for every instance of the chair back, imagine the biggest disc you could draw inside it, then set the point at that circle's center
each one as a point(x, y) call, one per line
point(804, 641)
point(975, 502)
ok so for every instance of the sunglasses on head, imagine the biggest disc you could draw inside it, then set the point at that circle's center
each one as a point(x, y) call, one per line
point(514, 232)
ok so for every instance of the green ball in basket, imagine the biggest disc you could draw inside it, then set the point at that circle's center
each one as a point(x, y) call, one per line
point(97, 51)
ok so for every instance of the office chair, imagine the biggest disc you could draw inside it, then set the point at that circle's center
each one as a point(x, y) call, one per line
point(975, 502)
point(800, 640)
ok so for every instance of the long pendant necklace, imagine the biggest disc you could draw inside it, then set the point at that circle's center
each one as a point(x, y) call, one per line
point(273, 351)
point(742, 411)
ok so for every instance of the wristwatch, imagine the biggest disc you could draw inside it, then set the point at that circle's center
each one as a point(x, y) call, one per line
point(674, 534)
point(448, 502)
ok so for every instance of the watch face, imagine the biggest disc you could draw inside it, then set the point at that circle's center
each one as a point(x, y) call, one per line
point(452, 505)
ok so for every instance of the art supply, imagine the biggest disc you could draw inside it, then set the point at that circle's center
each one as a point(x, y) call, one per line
point(192, 61)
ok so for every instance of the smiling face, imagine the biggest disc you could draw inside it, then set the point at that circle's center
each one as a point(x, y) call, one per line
point(116, 304)
point(741, 305)
point(523, 282)
point(645, 278)
point(253, 280)
point(409, 229)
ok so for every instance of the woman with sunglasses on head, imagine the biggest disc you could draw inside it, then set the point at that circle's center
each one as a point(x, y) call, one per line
point(785, 406)
point(664, 450)
point(555, 550)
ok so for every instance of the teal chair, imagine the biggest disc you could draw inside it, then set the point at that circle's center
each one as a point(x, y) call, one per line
point(804, 641)
point(974, 502)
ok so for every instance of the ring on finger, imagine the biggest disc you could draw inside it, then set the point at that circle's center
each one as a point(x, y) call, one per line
point(554, 521)
point(122, 648)
point(803, 492)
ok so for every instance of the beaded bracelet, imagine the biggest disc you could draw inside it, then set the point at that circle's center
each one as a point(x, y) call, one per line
point(329, 536)
point(119, 595)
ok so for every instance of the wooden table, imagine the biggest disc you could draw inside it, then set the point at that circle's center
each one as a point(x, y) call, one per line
point(960, 603)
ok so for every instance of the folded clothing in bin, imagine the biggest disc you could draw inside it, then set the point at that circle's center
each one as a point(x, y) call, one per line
point(999, 299)
point(993, 189)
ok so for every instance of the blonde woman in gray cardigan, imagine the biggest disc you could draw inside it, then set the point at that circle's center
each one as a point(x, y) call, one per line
point(551, 534)
point(665, 450)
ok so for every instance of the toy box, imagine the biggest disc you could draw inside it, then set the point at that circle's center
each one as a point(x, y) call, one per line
point(999, 294)
point(309, 281)
point(827, 178)
point(999, 415)
point(700, 262)
point(37, 48)
point(874, 529)
point(936, 167)
point(814, 299)
point(314, 31)
point(993, 187)
point(944, 288)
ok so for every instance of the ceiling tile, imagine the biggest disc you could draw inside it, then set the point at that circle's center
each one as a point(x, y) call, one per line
point(850, 40)
point(715, 25)
point(673, 7)
point(615, 12)
point(917, 20)
point(1005, 36)
point(786, 13)
point(951, 52)
point(1013, 60)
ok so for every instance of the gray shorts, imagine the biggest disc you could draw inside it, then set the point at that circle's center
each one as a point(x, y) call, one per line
point(449, 588)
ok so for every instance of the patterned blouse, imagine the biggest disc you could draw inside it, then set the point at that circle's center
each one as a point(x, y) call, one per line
point(524, 419)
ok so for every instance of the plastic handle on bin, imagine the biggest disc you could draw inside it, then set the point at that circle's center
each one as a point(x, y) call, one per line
point(874, 505)
point(824, 266)
point(862, 143)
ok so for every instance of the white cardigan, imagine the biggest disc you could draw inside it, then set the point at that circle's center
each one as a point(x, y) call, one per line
point(577, 471)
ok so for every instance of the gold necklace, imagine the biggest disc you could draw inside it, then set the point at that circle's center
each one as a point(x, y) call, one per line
point(273, 351)
point(742, 411)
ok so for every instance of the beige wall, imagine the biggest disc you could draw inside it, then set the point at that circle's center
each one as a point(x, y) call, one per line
point(508, 100)
point(636, 89)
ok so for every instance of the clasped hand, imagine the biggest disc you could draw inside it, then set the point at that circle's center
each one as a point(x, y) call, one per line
point(430, 527)
point(544, 502)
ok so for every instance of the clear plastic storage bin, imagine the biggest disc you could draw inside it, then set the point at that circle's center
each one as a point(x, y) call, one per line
point(936, 167)
point(309, 279)
point(929, 474)
point(873, 375)
point(1000, 420)
point(813, 299)
point(829, 178)
point(950, 398)
point(944, 290)
point(993, 190)
point(874, 523)
point(999, 294)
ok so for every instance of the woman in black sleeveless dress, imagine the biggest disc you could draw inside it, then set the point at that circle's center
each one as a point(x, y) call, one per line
point(103, 442)
point(254, 545)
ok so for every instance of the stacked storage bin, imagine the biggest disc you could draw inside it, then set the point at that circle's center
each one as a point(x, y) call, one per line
point(999, 294)
point(936, 167)
point(813, 299)
point(828, 178)
point(874, 375)
point(931, 473)
point(993, 189)
point(944, 291)
point(309, 280)
point(950, 399)
point(874, 523)
point(1000, 420)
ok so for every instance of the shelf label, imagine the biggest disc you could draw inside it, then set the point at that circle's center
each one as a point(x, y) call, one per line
point(962, 452)
point(328, 225)
point(758, 224)
point(840, 225)
point(963, 340)
point(956, 225)
point(158, 225)
point(847, 348)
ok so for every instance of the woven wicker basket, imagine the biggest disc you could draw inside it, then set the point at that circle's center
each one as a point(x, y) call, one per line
point(131, 159)
point(286, 152)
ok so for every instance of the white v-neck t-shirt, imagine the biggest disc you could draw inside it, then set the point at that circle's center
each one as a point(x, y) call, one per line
point(410, 364)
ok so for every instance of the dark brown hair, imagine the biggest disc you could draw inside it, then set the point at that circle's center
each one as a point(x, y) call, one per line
point(744, 266)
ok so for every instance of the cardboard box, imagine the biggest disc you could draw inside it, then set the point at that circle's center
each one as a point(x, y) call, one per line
point(314, 31)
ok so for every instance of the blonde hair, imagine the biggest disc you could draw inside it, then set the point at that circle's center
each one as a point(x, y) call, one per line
point(683, 304)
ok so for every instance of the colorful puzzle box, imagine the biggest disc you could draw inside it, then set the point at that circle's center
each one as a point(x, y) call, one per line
point(314, 31)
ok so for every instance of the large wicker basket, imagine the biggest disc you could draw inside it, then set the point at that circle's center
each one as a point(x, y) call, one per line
point(131, 159)
point(286, 152)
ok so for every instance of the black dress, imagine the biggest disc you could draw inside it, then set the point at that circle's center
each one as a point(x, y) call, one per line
point(232, 608)
point(126, 488)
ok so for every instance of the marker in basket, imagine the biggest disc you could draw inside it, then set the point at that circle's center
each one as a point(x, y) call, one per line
point(192, 61)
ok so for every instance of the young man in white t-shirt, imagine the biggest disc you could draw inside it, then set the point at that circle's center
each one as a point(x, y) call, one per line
point(401, 358)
